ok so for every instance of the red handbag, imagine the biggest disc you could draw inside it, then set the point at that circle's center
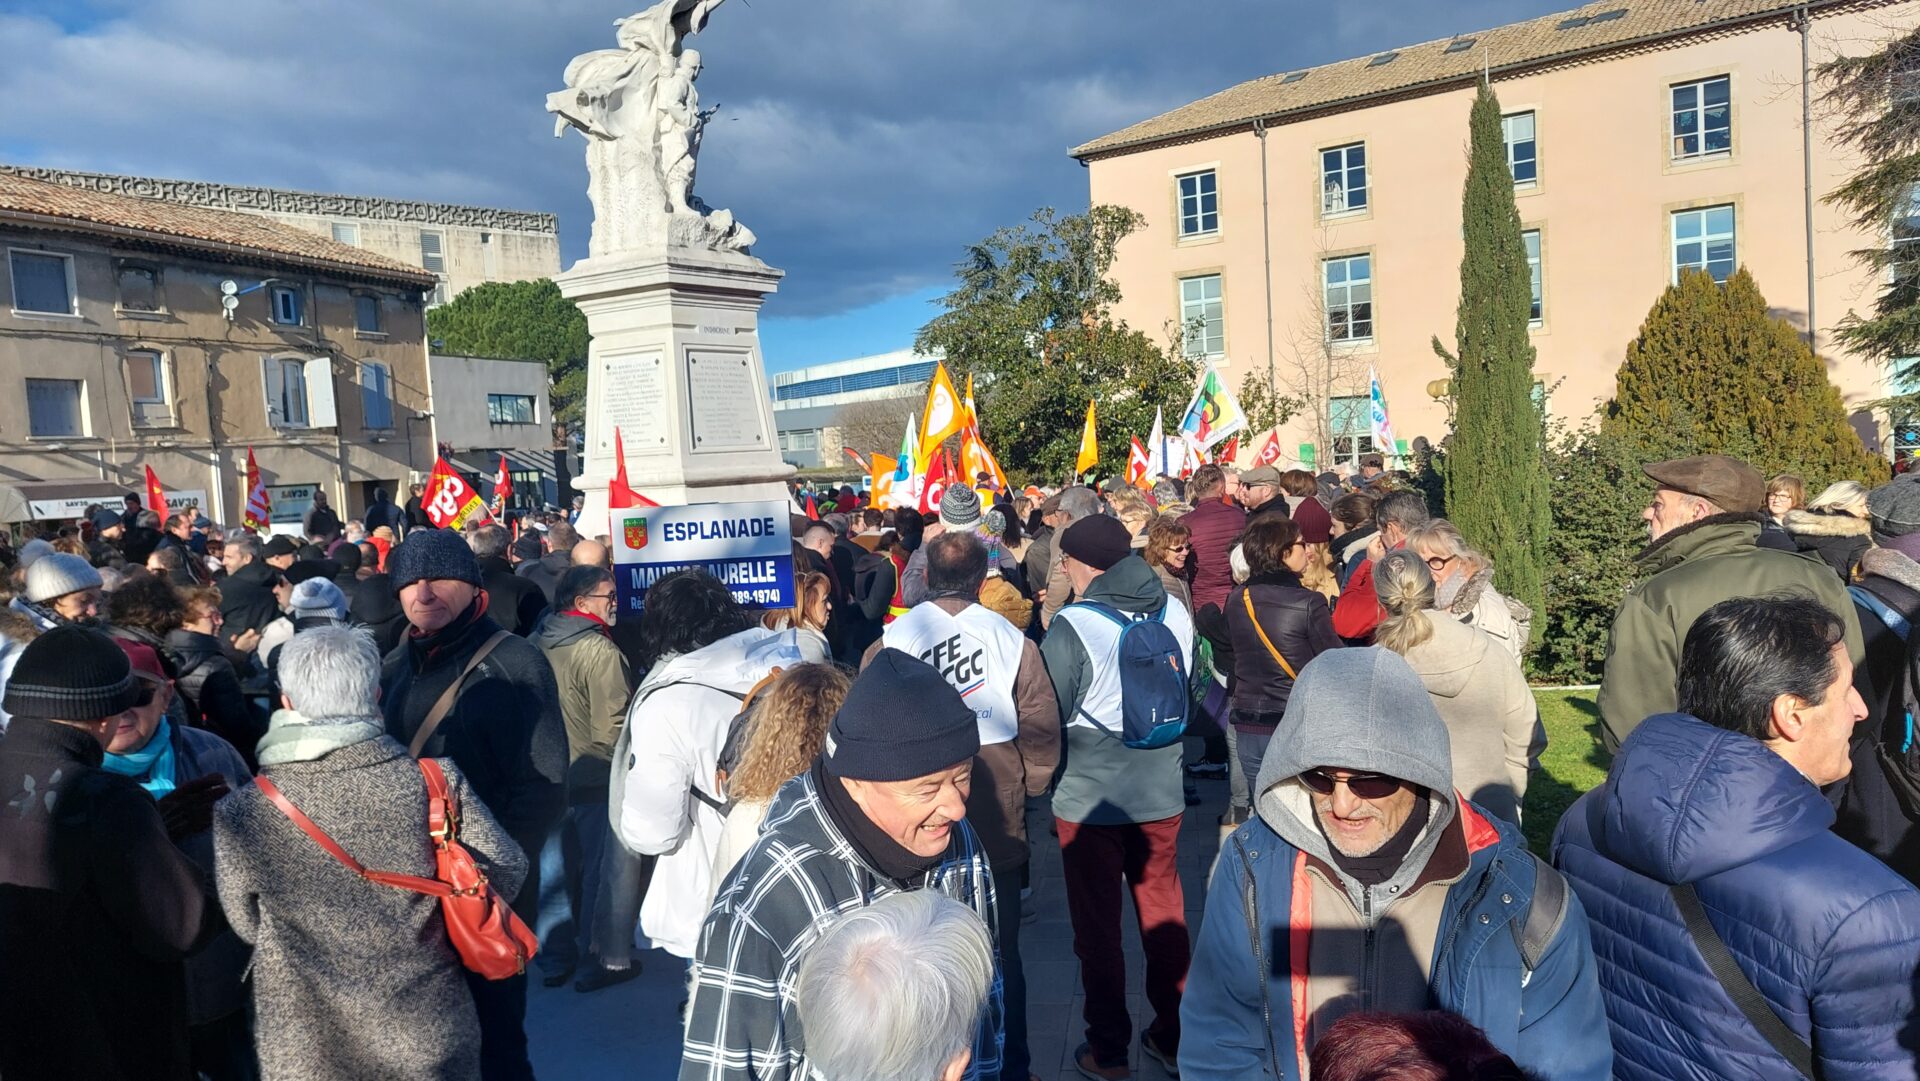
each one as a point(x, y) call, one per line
point(489, 938)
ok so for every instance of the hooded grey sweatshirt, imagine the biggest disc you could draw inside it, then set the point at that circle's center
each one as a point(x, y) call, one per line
point(1364, 710)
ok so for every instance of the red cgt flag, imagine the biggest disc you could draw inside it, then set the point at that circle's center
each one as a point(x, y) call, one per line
point(156, 496)
point(449, 500)
point(502, 490)
point(259, 500)
point(1269, 451)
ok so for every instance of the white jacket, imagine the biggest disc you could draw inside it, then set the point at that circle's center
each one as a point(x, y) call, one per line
point(664, 801)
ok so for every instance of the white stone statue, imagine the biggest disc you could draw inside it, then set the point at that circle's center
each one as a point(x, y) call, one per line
point(641, 115)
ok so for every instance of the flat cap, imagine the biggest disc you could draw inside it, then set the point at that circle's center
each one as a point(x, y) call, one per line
point(1728, 483)
point(1261, 474)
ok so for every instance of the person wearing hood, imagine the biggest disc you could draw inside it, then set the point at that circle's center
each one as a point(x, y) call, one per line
point(61, 589)
point(1117, 808)
point(880, 812)
point(1878, 804)
point(501, 725)
point(1365, 882)
point(1834, 526)
point(595, 686)
point(705, 657)
point(383, 512)
point(187, 771)
point(98, 909)
point(1737, 935)
point(1702, 523)
point(354, 979)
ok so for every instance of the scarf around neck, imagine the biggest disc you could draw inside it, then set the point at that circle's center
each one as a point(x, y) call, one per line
point(292, 738)
point(881, 852)
point(151, 765)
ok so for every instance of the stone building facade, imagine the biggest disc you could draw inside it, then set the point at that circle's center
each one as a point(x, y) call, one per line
point(138, 332)
point(461, 246)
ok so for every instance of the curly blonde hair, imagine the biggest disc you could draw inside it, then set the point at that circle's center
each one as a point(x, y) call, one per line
point(787, 729)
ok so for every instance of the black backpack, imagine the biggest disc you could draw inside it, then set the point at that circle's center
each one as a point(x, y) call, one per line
point(736, 743)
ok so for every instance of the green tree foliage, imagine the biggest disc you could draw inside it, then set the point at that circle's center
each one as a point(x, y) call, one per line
point(1597, 490)
point(526, 320)
point(1874, 102)
point(1495, 482)
point(1032, 320)
point(1713, 373)
point(1265, 406)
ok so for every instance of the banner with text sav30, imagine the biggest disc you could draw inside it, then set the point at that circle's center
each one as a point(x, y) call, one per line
point(748, 546)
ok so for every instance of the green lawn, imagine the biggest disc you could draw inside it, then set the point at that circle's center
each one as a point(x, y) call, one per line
point(1573, 762)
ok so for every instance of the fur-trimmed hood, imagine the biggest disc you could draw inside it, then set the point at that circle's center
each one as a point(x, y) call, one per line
point(1815, 523)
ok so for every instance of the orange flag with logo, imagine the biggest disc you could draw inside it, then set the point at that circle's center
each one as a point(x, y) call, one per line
point(945, 414)
point(1089, 445)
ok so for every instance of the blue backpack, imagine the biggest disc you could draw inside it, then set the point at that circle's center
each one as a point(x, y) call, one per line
point(1153, 679)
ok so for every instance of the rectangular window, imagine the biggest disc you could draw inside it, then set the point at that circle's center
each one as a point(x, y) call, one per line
point(1199, 204)
point(346, 232)
point(139, 289)
point(366, 313)
point(42, 282)
point(1203, 325)
point(376, 396)
point(1703, 240)
point(432, 257)
point(510, 409)
point(286, 305)
point(147, 389)
point(293, 392)
point(1352, 424)
point(1343, 179)
point(1522, 156)
point(53, 408)
point(1348, 286)
point(438, 294)
point(1532, 239)
point(1702, 118)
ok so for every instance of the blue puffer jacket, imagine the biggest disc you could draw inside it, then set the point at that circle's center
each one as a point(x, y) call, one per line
point(1827, 933)
point(1239, 1011)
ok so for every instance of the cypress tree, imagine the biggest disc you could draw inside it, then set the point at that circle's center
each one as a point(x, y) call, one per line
point(1713, 373)
point(1496, 483)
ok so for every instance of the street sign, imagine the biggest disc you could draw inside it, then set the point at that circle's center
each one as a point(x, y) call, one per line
point(748, 546)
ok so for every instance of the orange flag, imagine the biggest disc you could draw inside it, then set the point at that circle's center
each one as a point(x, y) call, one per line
point(620, 494)
point(156, 496)
point(1089, 445)
point(945, 414)
point(1137, 464)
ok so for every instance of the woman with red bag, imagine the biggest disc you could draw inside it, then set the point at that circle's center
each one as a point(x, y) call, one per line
point(356, 978)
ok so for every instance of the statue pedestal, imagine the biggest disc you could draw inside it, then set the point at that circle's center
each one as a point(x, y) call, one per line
point(675, 364)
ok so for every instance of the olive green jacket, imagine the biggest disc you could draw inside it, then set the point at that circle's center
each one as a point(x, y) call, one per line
point(1683, 574)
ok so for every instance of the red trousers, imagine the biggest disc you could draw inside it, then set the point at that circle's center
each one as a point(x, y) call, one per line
point(1096, 860)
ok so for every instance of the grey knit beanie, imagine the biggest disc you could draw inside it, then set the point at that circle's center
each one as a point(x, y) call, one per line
point(57, 574)
point(959, 507)
point(1895, 507)
point(317, 597)
point(33, 550)
point(432, 553)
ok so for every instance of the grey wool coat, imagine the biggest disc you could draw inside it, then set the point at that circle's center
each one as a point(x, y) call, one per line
point(353, 980)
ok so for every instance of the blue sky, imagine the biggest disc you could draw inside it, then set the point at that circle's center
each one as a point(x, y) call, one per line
point(866, 142)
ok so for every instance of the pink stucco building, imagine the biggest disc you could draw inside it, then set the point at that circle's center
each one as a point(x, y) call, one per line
point(1314, 216)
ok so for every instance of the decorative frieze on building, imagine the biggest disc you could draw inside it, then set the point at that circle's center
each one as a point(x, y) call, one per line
point(280, 201)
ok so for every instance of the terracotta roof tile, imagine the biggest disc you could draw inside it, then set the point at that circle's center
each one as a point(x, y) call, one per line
point(1602, 25)
point(194, 226)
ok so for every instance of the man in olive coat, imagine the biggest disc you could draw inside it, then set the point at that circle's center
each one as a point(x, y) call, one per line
point(1702, 522)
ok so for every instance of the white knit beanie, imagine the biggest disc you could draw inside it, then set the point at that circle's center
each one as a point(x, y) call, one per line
point(317, 597)
point(57, 574)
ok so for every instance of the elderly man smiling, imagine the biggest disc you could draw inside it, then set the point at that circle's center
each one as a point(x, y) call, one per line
point(882, 811)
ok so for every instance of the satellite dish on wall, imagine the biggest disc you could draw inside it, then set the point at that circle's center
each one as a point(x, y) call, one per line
point(229, 288)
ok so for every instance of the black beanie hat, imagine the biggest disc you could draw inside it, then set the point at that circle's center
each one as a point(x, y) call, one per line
point(901, 720)
point(432, 553)
point(1097, 540)
point(72, 674)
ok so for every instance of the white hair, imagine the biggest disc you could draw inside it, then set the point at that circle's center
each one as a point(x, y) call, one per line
point(331, 673)
point(895, 990)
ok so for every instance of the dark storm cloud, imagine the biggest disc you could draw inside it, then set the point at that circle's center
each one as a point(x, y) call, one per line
point(865, 141)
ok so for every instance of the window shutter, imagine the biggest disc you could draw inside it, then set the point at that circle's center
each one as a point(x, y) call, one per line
point(274, 389)
point(321, 409)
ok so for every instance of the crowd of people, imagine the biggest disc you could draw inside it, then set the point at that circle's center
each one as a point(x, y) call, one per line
point(224, 828)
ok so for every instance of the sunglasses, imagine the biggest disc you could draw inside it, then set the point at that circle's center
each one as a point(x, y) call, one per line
point(1362, 785)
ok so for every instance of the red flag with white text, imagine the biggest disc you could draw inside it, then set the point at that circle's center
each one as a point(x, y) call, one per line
point(450, 502)
point(502, 490)
point(1269, 451)
point(259, 501)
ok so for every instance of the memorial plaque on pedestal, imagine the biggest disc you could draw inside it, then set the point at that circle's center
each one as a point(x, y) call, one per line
point(725, 400)
point(634, 399)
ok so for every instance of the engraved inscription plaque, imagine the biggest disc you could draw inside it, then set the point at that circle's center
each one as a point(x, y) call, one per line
point(634, 399)
point(724, 400)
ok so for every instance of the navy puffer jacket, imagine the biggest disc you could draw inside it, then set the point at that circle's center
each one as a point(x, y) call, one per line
point(1827, 933)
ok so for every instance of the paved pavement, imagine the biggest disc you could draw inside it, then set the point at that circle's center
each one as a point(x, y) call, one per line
point(633, 1031)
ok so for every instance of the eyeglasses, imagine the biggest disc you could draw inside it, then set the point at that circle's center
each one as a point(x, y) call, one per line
point(1362, 785)
point(1439, 563)
point(599, 596)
